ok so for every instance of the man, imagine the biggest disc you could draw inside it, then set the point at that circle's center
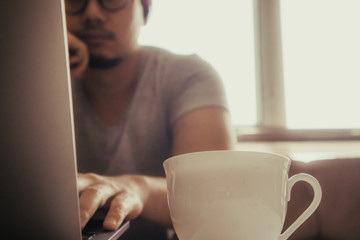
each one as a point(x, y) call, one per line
point(134, 107)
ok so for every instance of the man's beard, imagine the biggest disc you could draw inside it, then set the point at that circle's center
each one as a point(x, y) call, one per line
point(99, 62)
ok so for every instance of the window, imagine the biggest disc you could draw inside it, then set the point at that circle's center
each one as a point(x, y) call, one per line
point(321, 59)
point(286, 64)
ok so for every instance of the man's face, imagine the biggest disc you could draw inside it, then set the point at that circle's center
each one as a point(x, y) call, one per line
point(109, 35)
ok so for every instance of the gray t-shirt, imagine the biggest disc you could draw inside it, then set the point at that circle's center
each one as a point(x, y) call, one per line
point(168, 86)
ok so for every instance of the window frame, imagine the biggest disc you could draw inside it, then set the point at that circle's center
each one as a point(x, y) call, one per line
point(271, 118)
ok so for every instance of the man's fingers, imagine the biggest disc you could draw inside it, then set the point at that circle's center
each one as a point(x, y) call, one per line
point(119, 208)
point(91, 199)
point(78, 54)
point(98, 191)
point(122, 206)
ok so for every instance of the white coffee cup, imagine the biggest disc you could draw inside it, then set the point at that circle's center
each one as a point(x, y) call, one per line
point(230, 195)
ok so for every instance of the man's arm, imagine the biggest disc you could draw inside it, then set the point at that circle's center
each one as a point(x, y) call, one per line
point(203, 129)
point(129, 196)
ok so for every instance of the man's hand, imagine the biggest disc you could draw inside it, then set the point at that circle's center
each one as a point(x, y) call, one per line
point(124, 196)
point(79, 56)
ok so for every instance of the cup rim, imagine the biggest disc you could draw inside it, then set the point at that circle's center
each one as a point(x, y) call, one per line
point(170, 159)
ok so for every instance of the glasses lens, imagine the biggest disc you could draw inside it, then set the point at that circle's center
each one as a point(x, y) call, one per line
point(114, 4)
point(73, 6)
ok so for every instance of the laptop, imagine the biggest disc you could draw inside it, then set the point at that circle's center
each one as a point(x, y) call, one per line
point(39, 198)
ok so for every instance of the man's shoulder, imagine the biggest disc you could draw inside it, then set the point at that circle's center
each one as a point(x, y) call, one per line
point(153, 50)
point(167, 56)
point(177, 62)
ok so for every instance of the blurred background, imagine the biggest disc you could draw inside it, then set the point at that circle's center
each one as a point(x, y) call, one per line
point(290, 67)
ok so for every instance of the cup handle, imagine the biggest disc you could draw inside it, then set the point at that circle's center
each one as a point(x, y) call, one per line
point(310, 209)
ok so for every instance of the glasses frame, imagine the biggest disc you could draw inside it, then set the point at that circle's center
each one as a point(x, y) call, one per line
point(101, 3)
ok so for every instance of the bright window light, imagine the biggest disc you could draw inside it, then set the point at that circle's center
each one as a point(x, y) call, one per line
point(321, 51)
point(221, 32)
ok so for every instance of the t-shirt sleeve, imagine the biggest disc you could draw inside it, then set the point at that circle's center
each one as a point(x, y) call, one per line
point(194, 84)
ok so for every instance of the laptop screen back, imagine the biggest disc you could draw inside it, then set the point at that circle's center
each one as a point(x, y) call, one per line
point(37, 153)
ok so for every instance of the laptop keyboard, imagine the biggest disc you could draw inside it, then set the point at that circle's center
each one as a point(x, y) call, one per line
point(94, 230)
point(92, 227)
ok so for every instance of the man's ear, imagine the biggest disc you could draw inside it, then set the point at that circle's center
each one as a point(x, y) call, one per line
point(146, 4)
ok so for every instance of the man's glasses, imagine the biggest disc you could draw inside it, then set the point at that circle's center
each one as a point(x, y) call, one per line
point(74, 7)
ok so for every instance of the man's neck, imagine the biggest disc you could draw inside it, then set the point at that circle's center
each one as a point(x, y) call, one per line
point(110, 90)
point(115, 80)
